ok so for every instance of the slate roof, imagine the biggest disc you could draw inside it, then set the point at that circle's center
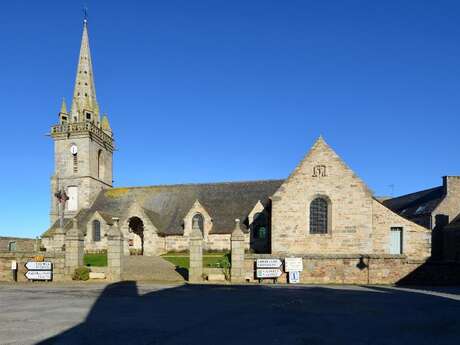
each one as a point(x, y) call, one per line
point(417, 206)
point(167, 205)
point(82, 218)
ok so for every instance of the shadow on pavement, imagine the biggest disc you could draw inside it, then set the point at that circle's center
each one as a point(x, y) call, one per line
point(206, 314)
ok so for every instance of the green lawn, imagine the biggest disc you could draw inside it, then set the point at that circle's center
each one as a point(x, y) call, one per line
point(177, 259)
point(209, 260)
point(96, 260)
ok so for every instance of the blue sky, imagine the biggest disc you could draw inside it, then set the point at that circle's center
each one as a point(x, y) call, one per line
point(202, 91)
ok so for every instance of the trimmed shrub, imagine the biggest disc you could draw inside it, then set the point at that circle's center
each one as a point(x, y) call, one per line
point(135, 251)
point(81, 273)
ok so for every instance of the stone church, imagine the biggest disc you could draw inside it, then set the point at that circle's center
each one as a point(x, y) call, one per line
point(322, 208)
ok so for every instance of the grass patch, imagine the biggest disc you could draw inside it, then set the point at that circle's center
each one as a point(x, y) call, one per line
point(95, 259)
point(181, 261)
point(209, 260)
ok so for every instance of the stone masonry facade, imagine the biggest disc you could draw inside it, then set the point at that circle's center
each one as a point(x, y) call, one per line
point(322, 212)
point(357, 223)
point(450, 205)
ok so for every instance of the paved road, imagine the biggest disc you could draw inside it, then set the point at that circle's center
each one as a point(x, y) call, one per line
point(130, 313)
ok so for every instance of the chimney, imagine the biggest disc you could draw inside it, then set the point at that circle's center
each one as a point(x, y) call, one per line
point(451, 185)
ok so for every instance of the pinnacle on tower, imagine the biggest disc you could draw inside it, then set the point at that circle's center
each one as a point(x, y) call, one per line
point(105, 125)
point(63, 106)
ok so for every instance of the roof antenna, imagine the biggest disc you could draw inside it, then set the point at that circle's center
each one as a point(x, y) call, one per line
point(392, 188)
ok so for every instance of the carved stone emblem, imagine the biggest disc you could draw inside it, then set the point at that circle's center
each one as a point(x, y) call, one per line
point(319, 171)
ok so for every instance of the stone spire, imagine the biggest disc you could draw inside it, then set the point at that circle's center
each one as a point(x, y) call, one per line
point(84, 97)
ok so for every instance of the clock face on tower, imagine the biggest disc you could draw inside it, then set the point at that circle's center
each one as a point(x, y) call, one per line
point(73, 149)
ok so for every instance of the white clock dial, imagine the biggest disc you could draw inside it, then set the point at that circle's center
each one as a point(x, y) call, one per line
point(73, 149)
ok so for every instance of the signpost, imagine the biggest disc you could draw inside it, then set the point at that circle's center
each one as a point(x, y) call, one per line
point(268, 263)
point(39, 270)
point(39, 275)
point(268, 273)
point(268, 268)
point(293, 265)
point(272, 269)
point(42, 266)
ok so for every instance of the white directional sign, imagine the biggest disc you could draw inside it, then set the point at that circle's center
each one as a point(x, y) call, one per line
point(268, 273)
point(293, 264)
point(34, 265)
point(268, 263)
point(39, 275)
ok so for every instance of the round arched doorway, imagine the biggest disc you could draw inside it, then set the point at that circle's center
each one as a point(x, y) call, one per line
point(136, 225)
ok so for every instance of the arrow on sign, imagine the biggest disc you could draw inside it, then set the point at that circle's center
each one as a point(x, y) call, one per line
point(34, 265)
point(268, 273)
point(38, 275)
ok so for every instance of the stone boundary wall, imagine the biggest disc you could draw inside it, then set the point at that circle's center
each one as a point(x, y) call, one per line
point(181, 243)
point(22, 244)
point(58, 260)
point(364, 269)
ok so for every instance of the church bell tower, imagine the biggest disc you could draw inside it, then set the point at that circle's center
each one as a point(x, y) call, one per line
point(83, 143)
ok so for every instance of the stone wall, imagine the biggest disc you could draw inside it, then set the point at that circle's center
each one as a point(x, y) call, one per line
point(357, 223)
point(450, 205)
point(217, 242)
point(345, 269)
point(22, 258)
point(86, 178)
point(322, 174)
point(416, 239)
point(22, 244)
point(90, 244)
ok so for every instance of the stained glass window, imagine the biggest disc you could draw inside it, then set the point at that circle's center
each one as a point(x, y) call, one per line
point(96, 231)
point(318, 216)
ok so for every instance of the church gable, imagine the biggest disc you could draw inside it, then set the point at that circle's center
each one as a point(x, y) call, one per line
point(200, 213)
point(322, 207)
point(321, 166)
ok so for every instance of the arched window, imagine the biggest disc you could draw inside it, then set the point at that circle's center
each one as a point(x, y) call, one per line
point(99, 162)
point(259, 225)
point(199, 218)
point(96, 230)
point(318, 216)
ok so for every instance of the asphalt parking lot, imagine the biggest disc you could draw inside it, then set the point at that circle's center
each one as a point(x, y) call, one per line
point(131, 313)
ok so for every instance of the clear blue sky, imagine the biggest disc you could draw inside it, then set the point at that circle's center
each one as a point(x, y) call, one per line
point(217, 90)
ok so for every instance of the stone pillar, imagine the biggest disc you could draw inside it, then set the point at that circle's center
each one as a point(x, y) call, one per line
point(58, 239)
point(115, 251)
point(74, 248)
point(37, 244)
point(195, 271)
point(237, 254)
